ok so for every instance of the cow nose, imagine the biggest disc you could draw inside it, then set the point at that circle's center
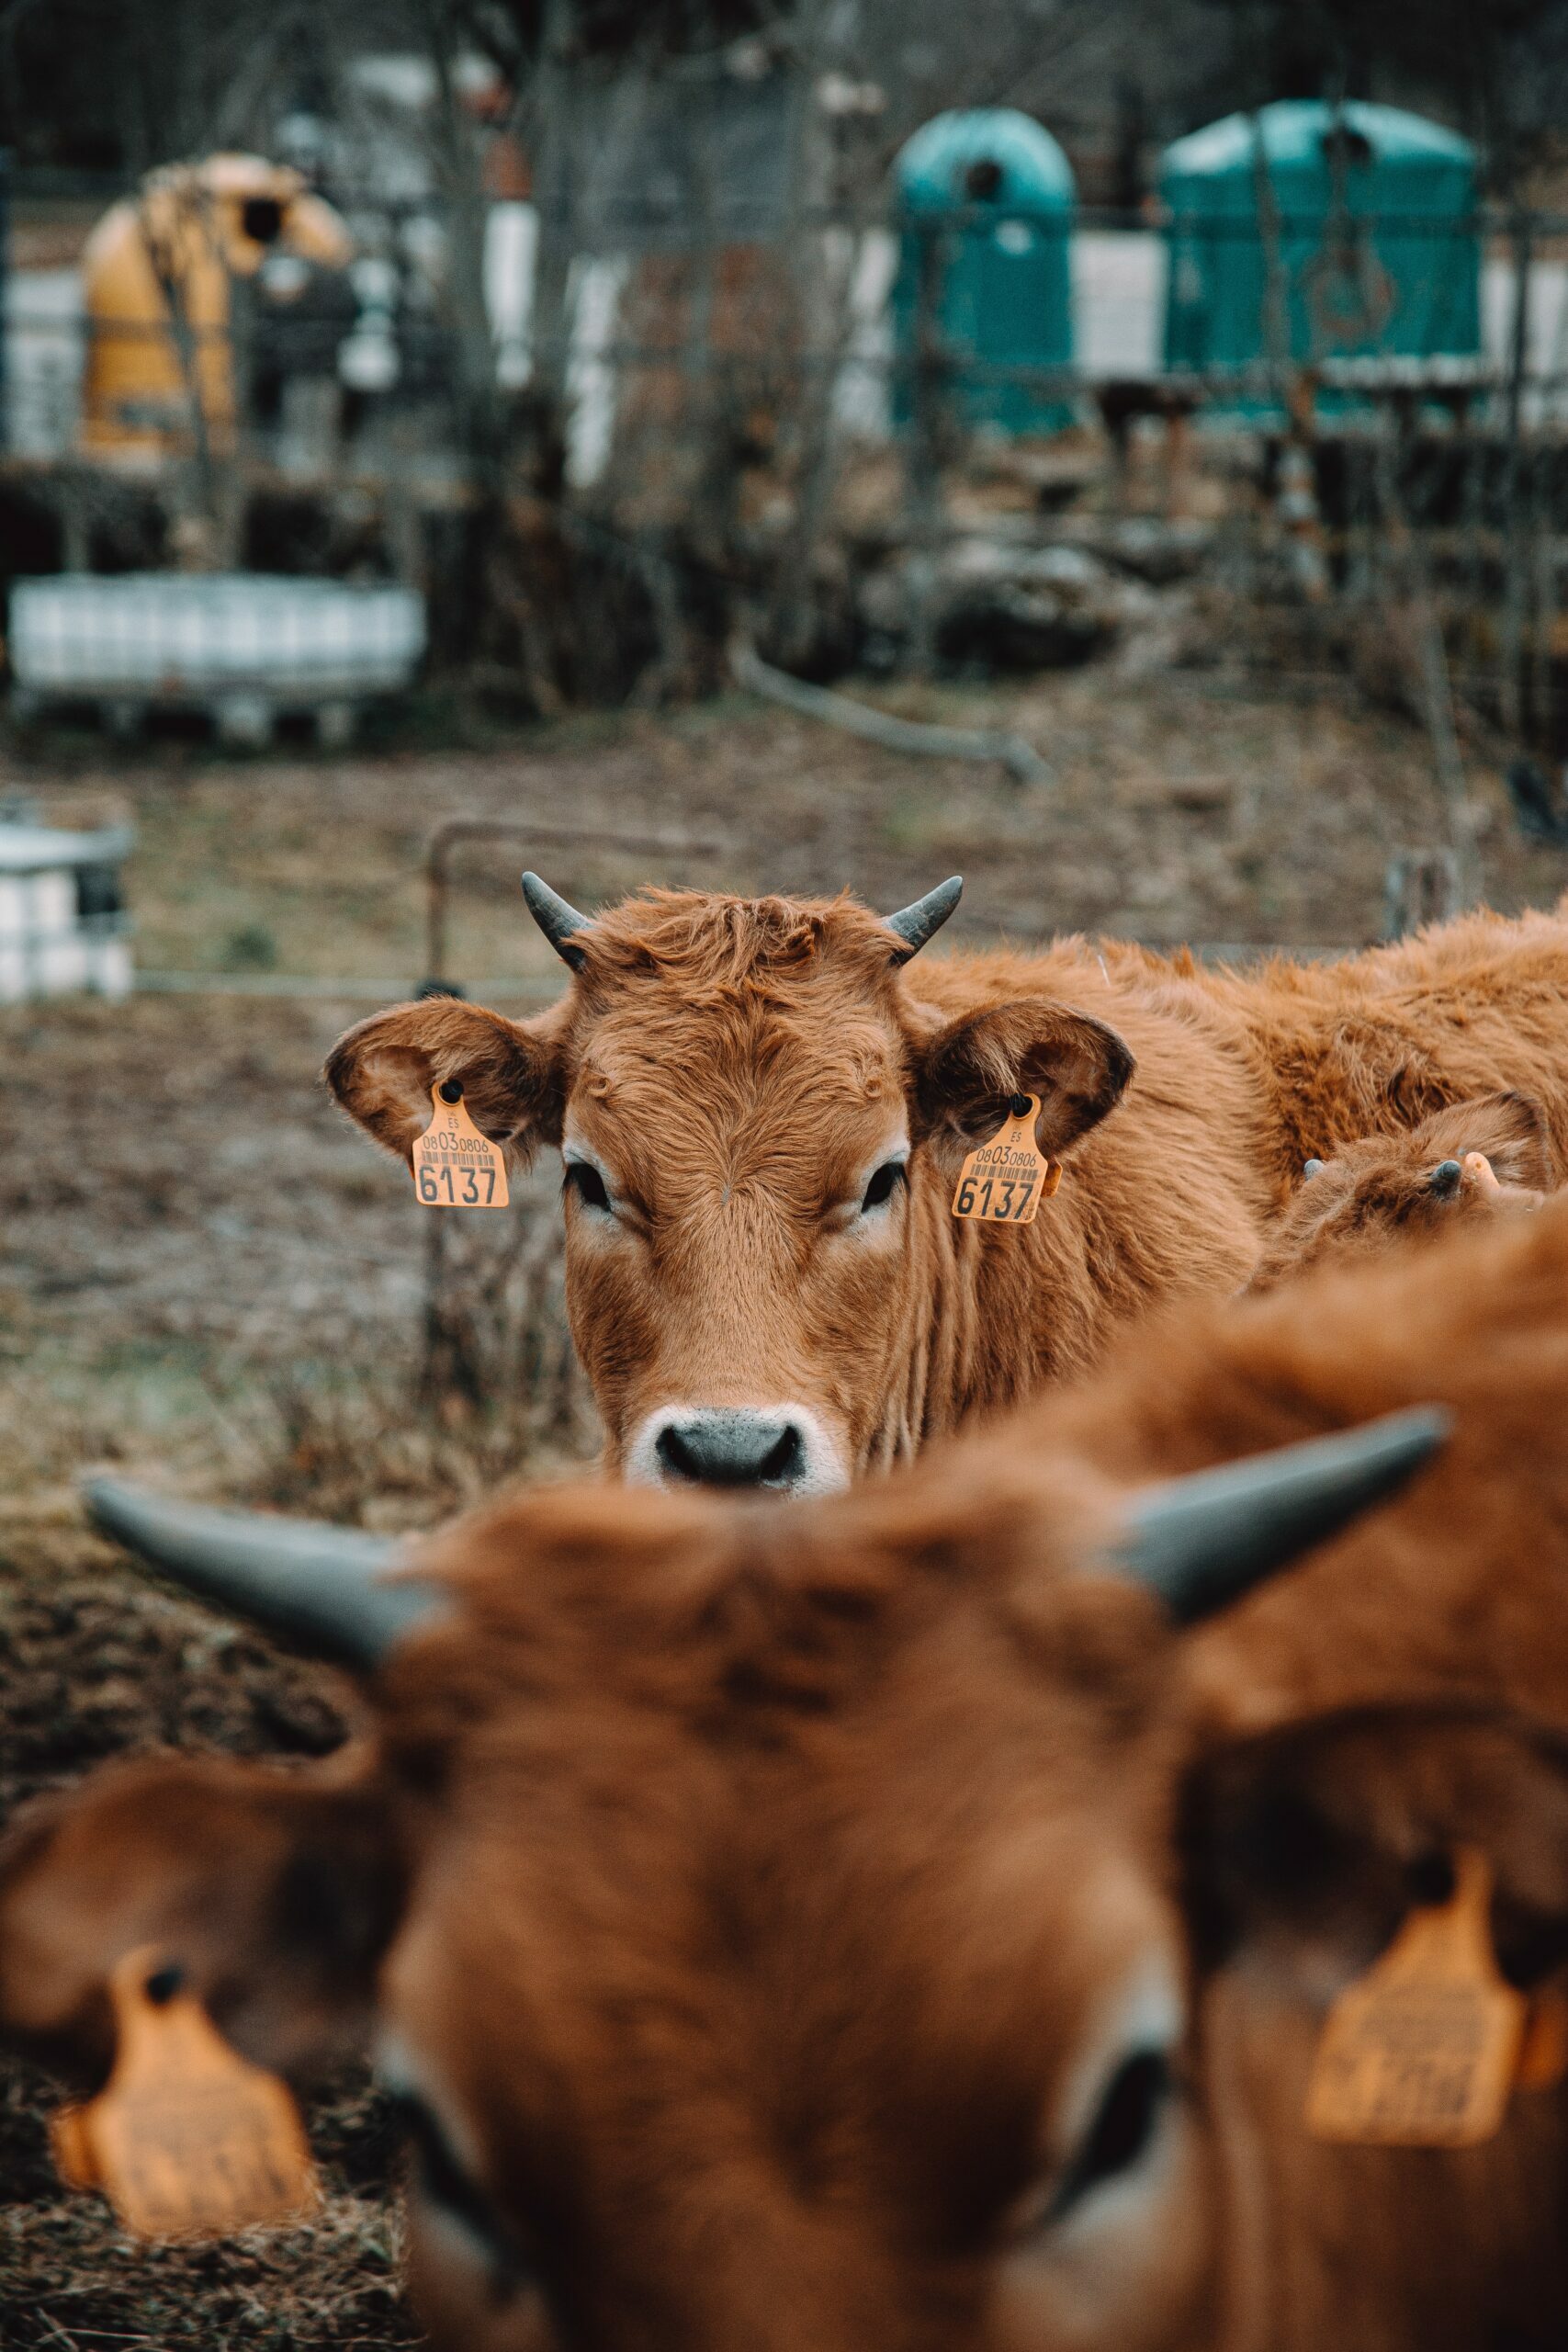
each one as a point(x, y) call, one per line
point(727, 1448)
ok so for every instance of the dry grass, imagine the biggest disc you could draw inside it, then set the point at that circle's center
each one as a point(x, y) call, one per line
point(314, 865)
point(94, 1661)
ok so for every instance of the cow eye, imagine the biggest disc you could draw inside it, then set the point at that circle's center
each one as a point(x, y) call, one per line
point(584, 1179)
point(442, 2180)
point(1121, 2128)
point(884, 1184)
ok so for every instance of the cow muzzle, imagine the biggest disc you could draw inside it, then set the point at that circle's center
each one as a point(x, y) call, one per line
point(784, 1448)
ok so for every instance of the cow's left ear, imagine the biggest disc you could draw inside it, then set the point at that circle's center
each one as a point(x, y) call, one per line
point(273, 1893)
point(1306, 1848)
point(968, 1073)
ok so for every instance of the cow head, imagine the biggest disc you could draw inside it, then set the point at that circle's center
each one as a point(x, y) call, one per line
point(1469, 1161)
point(782, 1928)
point(760, 1120)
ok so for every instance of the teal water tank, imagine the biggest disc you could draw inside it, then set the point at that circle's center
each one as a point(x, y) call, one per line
point(1378, 228)
point(986, 202)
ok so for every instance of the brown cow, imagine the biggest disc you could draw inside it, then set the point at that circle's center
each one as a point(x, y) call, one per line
point(1476, 1160)
point(803, 1928)
point(762, 1112)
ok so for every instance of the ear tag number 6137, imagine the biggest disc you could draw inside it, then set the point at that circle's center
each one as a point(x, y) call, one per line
point(1005, 1179)
point(454, 1166)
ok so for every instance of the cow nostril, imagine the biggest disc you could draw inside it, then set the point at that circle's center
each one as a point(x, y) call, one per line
point(785, 1460)
point(732, 1449)
point(675, 1456)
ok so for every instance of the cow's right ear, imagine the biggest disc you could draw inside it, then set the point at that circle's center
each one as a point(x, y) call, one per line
point(511, 1072)
point(274, 1893)
point(1305, 1847)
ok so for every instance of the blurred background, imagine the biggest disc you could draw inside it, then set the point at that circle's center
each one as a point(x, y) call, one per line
point(1115, 448)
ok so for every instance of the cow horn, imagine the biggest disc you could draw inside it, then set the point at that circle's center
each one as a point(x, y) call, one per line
point(1204, 1541)
point(918, 923)
point(557, 919)
point(320, 1589)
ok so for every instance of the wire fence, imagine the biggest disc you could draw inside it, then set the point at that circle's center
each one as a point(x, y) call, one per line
point(319, 361)
point(685, 434)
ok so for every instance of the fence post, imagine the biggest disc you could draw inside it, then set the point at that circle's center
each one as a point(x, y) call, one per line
point(1421, 887)
point(1515, 589)
point(5, 287)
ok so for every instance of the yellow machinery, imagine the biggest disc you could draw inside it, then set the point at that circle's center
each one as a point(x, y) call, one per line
point(159, 276)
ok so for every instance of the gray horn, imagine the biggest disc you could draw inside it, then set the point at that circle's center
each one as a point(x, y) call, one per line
point(557, 919)
point(918, 923)
point(320, 1589)
point(1202, 1542)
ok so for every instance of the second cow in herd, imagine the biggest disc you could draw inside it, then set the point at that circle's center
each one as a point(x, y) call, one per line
point(761, 1111)
point(906, 1921)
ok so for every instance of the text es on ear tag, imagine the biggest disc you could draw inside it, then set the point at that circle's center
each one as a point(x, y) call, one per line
point(454, 1166)
point(1423, 2051)
point(187, 2139)
point(1005, 1179)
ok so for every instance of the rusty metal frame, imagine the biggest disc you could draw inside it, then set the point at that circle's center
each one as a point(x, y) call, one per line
point(454, 831)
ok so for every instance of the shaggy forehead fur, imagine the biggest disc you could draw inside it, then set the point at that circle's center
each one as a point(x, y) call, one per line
point(716, 951)
point(744, 1620)
point(746, 989)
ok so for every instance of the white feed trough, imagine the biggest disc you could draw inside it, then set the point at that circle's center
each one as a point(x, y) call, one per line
point(244, 646)
point(62, 921)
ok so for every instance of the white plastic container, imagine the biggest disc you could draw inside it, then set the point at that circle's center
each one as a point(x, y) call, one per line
point(259, 643)
point(62, 923)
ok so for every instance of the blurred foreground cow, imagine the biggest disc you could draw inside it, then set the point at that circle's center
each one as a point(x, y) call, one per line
point(904, 1921)
point(762, 1112)
point(1475, 1161)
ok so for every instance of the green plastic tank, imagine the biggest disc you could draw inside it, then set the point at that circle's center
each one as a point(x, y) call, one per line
point(986, 201)
point(1378, 229)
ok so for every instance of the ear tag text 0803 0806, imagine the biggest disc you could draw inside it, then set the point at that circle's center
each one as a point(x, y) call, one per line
point(454, 1166)
point(1423, 2050)
point(1005, 1179)
point(187, 2139)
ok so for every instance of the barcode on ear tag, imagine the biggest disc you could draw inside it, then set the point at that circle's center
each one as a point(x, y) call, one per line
point(1005, 1179)
point(454, 1166)
point(1422, 2052)
point(187, 2140)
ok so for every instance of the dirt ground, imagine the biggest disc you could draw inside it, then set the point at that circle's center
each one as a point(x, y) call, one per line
point(207, 1277)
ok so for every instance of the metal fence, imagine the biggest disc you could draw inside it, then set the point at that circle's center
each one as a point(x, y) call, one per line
point(390, 360)
point(713, 394)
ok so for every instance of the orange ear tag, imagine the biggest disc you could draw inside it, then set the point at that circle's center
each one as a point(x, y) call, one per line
point(1005, 1178)
point(454, 1166)
point(187, 2140)
point(1476, 1170)
point(1423, 2051)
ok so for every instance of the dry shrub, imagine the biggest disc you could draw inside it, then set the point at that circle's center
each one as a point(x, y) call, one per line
point(497, 1393)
